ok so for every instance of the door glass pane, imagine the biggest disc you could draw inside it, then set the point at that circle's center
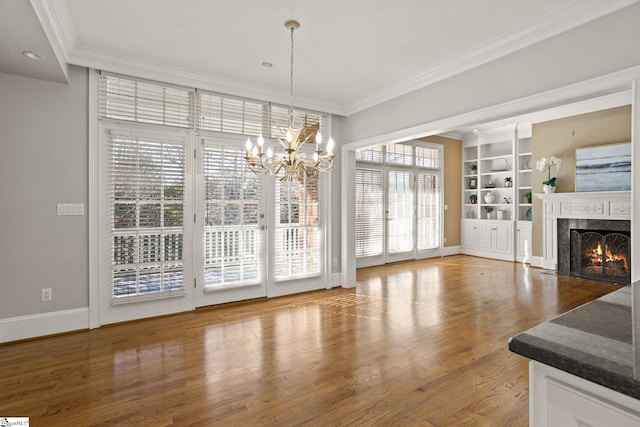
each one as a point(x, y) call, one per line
point(297, 236)
point(146, 177)
point(232, 237)
point(428, 212)
point(400, 212)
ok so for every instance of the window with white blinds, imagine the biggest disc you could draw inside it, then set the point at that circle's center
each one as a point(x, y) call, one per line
point(146, 180)
point(399, 154)
point(230, 115)
point(369, 213)
point(427, 157)
point(428, 211)
point(232, 236)
point(143, 102)
point(371, 154)
point(297, 234)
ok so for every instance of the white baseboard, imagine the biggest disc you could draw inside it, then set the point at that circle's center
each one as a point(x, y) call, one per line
point(451, 250)
point(336, 279)
point(537, 261)
point(37, 325)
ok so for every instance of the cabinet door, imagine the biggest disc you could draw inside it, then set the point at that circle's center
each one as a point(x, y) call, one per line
point(486, 237)
point(523, 239)
point(503, 238)
point(469, 235)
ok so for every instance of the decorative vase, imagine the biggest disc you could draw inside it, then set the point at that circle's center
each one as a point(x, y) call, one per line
point(548, 188)
point(488, 198)
point(500, 214)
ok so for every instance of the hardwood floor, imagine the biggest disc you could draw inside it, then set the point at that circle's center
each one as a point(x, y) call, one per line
point(416, 343)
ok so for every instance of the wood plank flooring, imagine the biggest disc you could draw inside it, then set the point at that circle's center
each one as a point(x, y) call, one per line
point(415, 343)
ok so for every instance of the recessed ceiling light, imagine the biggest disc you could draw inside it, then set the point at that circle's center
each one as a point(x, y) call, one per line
point(33, 55)
point(476, 131)
point(267, 64)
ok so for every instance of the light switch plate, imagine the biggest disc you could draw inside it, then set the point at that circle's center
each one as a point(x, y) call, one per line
point(70, 209)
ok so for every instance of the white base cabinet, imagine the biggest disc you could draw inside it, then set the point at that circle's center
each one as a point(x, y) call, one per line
point(490, 239)
point(495, 239)
point(559, 399)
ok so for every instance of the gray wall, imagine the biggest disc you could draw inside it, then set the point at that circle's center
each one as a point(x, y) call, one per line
point(43, 161)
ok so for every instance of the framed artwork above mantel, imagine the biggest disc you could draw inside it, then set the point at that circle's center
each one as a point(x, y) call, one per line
point(604, 167)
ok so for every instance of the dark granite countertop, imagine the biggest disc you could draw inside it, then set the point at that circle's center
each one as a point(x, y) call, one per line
point(598, 341)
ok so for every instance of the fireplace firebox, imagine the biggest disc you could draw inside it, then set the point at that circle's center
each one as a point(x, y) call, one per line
point(595, 249)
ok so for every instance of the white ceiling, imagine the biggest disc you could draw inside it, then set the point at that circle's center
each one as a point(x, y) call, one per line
point(350, 54)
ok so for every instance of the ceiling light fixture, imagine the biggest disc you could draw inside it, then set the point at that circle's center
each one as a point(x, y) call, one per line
point(294, 163)
point(33, 55)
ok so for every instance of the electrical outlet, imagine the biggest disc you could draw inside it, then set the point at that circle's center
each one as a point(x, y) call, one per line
point(47, 294)
point(335, 262)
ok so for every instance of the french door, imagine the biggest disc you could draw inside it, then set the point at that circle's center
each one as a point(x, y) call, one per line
point(256, 236)
point(400, 215)
point(146, 234)
point(187, 224)
point(231, 221)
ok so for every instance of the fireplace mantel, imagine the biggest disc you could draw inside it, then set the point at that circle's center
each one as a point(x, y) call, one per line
point(591, 205)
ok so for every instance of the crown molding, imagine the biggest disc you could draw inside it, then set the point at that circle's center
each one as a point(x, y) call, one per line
point(53, 29)
point(573, 14)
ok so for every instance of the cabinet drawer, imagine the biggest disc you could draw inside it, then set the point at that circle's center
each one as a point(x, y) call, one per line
point(570, 406)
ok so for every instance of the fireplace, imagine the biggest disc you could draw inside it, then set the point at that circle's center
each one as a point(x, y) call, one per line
point(595, 249)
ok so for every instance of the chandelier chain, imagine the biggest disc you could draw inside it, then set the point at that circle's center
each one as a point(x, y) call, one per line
point(291, 83)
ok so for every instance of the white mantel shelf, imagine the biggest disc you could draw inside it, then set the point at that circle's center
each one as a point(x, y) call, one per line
point(589, 205)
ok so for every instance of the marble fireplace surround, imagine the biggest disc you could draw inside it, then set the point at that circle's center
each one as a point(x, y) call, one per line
point(604, 205)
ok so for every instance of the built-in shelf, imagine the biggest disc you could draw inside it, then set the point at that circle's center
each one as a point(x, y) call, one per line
point(498, 154)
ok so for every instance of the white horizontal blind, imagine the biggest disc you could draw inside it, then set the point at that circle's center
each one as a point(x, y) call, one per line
point(143, 102)
point(400, 154)
point(427, 157)
point(428, 212)
point(297, 234)
point(147, 199)
point(232, 236)
point(372, 154)
point(230, 115)
point(369, 212)
point(279, 121)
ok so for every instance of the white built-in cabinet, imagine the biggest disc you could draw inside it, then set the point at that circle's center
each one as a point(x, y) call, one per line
point(495, 239)
point(496, 212)
point(560, 399)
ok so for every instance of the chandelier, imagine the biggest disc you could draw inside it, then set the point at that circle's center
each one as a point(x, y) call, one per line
point(294, 163)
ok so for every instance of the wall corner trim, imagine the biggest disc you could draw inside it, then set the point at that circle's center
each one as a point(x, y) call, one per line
point(37, 325)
